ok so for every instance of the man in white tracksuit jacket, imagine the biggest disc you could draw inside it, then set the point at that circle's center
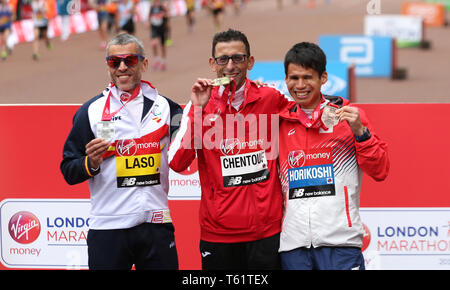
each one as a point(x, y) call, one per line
point(130, 221)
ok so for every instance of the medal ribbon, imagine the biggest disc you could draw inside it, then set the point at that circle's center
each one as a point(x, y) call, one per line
point(233, 92)
point(107, 116)
point(315, 121)
point(230, 98)
point(222, 100)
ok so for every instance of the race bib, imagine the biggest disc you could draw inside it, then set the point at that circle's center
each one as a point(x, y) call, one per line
point(311, 173)
point(241, 165)
point(138, 162)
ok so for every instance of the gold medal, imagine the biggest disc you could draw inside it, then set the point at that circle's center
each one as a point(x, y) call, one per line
point(221, 81)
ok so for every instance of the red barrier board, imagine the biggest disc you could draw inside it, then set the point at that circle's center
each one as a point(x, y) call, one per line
point(33, 138)
point(417, 144)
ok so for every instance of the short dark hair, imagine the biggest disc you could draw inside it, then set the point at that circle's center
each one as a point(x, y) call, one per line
point(307, 55)
point(230, 35)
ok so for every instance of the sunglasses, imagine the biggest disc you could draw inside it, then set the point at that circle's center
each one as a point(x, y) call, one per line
point(236, 58)
point(130, 60)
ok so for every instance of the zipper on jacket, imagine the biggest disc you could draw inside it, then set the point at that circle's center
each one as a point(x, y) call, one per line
point(310, 237)
point(309, 202)
point(347, 211)
point(306, 139)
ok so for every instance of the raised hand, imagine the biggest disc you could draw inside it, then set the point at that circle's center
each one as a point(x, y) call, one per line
point(351, 115)
point(201, 92)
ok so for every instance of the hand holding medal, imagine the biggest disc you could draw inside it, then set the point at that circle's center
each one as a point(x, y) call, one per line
point(351, 115)
point(201, 90)
point(95, 150)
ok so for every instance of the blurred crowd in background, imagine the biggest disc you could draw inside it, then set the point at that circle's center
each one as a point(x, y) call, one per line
point(114, 16)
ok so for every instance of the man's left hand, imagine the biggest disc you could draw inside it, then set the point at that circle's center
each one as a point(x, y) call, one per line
point(351, 115)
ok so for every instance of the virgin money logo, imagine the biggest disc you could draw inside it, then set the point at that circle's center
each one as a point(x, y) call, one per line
point(126, 147)
point(296, 158)
point(366, 238)
point(230, 146)
point(24, 227)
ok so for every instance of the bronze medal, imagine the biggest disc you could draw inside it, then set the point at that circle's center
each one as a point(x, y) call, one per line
point(329, 117)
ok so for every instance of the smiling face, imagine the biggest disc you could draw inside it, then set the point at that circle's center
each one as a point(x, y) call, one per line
point(304, 85)
point(237, 71)
point(124, 77)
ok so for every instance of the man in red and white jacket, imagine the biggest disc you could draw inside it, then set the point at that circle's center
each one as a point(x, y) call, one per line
point(325, 145)
point(229, 128)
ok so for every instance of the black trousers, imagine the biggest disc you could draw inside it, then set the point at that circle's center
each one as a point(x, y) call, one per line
point(147, 246)
point(255, 255)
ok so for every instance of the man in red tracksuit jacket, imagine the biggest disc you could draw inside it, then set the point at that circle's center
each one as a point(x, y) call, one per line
point(230, 128)
point(325, 146)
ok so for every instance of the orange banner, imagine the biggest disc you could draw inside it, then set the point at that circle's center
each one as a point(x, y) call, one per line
point(433, 14)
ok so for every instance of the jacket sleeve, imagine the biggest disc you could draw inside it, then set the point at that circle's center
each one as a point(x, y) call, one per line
point(74, 166)
point(372, 154)
point(182, 149)
point(283, 102)
point(278, 102)
point(176, 112)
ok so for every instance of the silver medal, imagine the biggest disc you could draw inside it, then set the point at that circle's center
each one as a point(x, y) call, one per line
point(105, 130)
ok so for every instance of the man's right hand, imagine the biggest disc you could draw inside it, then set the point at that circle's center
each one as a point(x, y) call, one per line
point(95, 150)
point(201, 92)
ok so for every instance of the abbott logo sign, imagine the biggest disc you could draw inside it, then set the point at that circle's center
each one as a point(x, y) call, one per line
point(357, 50)
point(371, 55)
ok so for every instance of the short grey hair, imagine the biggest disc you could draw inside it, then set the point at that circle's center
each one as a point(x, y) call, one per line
point(124, 39)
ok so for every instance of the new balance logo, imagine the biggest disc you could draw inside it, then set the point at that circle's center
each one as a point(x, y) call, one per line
point(235, 180)
point(129, 181)
point(299, 192)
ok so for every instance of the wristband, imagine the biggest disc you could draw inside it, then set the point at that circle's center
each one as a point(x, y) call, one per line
point(91, 171)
